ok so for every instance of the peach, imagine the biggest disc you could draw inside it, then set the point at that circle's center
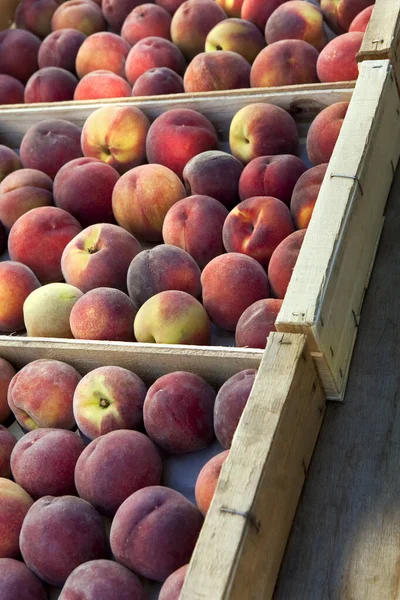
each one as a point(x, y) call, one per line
point(53, 228)
point(146, 20)
point(297, 20)
point(288, 62)
point(173, 585)
point(360, 22)
point(195, 225)
point(236, 35)
point(150, 53)
point(47, 310)
point(9, 161)
point(154, 532)
point(103, 314)
point(40, 394)
point(102, 51)
point(339, 14)
point(229, 405)
point(337, 61)
point(11, 90)
point(324, 132)
point(117, 136)
point(83, 187)
point(102, 579)
point(114, 466)
point(256, 323)
point(207, 480)
point(170, 6)
point(142, 198)
point(107, 399)
point(164, 267)
point(283, 261)
point(82, 15)
point(35, 16)
point(7, 443)
point(191, 24)
point(212, 71)
point(43, 462)
point(256, 226)
point(50, 84)
point(178, 412)
point(73, 530)
point(17, 281)
point(59, 49)
point(116, 11)
point(271, 176)
point(216, 174)
point(158, 81)
point(172, 317)
point(188, 133)
point(231, 283)
point(49, 144)
point(21, 191)
point(7, 372)
point(259, 11)
point(260, 130)
point(305, 195)
point(233, 8)
point(102, 84)
point(15, 576)
point(18, 53)
point(14, 505)
point(3, 238)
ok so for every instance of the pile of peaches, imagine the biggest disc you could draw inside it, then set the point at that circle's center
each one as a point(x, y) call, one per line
point(93, 511)
point(157, 252)
point(84, 49)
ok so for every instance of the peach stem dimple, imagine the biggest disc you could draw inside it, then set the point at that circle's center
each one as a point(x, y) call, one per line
point(104, 403)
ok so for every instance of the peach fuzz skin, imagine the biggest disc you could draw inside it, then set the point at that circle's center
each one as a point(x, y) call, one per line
point(219, 70)
point(207, 480)
point(173, 585)
point(337, 61)
point(150, 53)
point(80, 15)
point(158, 81)
point(11, 90)
point(9, 162)
point(102, 51)
point(339, 14)
point(15, 576)
point(50, 84)
point(7, 372)
point(324, 132)
point(287, 62)
point(232, 8)
point(144, 21)
point(7, 443)
point(360, 22)
point(256, 323)
point(17, 281)
point(283, 261)
point(15, 503)
point(236, 35)
point(35, 16)
point(297, 20)
point(259, 11)
point(21, 191)
point(102, 84)
point(305, 195)
point(60, 48)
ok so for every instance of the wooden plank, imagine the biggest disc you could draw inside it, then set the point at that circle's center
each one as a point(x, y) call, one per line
point(242, 541)
point(381, 39)
point(327, 288)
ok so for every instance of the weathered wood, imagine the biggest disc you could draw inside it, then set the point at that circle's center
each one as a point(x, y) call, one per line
point(381, 39)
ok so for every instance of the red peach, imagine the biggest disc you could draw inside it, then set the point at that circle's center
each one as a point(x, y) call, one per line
point(82, 15)
point(158, 81)
point(9, 162)
point(360, 22)
point(283, 261)
point(229, 405)
point(18, 53)
point(324, 132)
point(102, 51)
point(35, 16)
point(144, 21)
point(14, 505)
point(17, 281)
point(259, 11)
point(22, 191)
point(116, 11)
point(236, 35)
point(170, 6)
point(305, 195)
point(150, 53)
point(207, 480)
point(173, 585)
point(297, 20)
point(256, 323)
point(11, 90)
point(59, 49)
point(7, 443)
point(98, 85)
point(7, 372)
point(232, 8)
point(50, 84)
point(288, 62)
point(337, 61)
point(15, 576)
point(213, 71)
point(339, 14)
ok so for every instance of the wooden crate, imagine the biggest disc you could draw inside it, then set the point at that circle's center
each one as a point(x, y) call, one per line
point(382, 37)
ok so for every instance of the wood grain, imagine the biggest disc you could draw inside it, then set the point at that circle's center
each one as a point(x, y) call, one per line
point(382, 37)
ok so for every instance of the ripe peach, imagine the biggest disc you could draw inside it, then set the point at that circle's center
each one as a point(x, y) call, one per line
point(53, 228)
point(9, 161)
point(207, 481)
point(18, 53)
point(262, 129)
point(7, 372)
point(43, 462)
point(305, 195)
point(15, 576)
point(172, 317)
point(35, 16)
point(7, 443)
point(360, 22)
point(117, 136)
point(102, 579)
point(60, 48)
point(14, 505)
point(283, 261)
point(288, 62)
point(17, 281)
point(337, 61)
point(188, 133)
point(256, 323)
point(82, 15)
point(155, 82)
point(173, 585)
point(297, 20)
point(212, 71)
point(236, 35)
point(47, 310)
point(49, 144)
point(11, 90)
point(195, 225)
point(170, 6)
point(40, 394)
point(324, 132)
point(73, 530)
point(116, 11)
point(152, 52)
point(50, 84)
point(146, 20)
point(168, 524)
point(102, 84)
point(107, 399)
point(259, 11)
point(339, 14)
point(21, 191)
point(103, 314)
point(102, 51)
point(271, 176)
point(232, 8)
point(231, 283)
point(191, 24)
point(229, 405)
point(142, 198)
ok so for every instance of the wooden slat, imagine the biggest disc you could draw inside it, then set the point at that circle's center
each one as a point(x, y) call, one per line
point(327, 288)
point(238, 557)
point(381, 39)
